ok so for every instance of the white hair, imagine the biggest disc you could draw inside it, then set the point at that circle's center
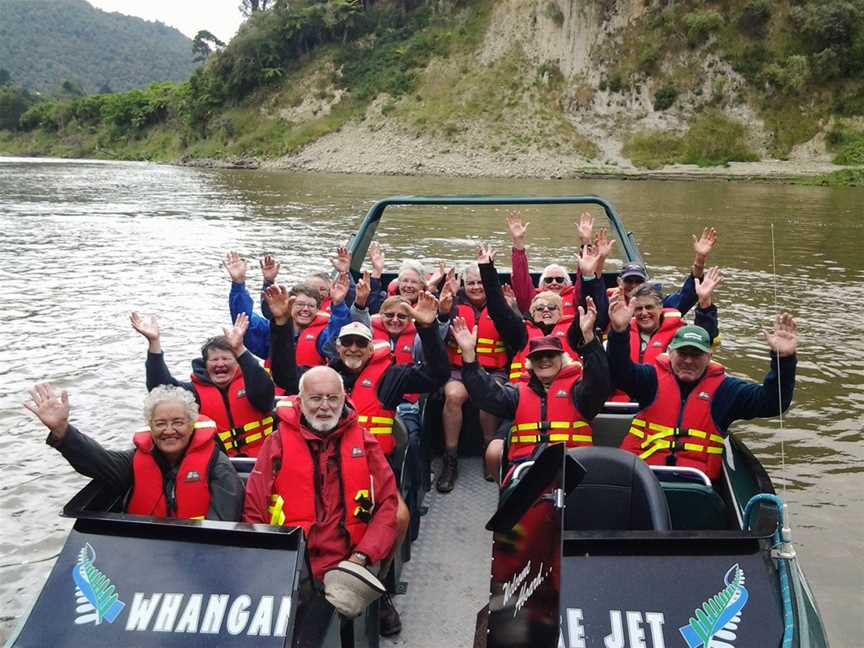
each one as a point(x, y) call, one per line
point(414, 266)
point(555, 266)
point(314, 371)
point(170, 394)
point(470, 268)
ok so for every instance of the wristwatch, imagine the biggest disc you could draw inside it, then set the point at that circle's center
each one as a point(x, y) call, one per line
point(363, 558)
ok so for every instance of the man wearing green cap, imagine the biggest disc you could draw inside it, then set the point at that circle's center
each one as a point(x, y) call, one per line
point(687, 401)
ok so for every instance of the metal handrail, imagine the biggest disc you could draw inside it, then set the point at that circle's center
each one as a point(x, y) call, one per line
point(687, 470)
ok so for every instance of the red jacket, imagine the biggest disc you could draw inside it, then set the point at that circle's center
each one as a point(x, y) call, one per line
point(306, 349)
point(517, 366)
point(372, 415)
point(688, 426)
point(523, 286)
point(491, 351)
point(327, 539)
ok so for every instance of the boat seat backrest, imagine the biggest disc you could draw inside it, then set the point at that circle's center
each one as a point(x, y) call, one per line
point(618, 492)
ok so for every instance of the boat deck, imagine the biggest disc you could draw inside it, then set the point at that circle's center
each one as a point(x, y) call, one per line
point(449, 571)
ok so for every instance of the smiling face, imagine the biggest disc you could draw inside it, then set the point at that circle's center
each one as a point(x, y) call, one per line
point(647, 313)
point(554, 279)
point(689, 363)
point(304, 310)
point(545, 310)
point(322, 397)
point(394, 320)
point(474, 290)
point(221, 366)
point(410, 284)
point(171, 429)
point(354, 351)
point(546, 365)
point(321, 285)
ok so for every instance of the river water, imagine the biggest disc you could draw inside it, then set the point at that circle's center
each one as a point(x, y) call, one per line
point(83, 243)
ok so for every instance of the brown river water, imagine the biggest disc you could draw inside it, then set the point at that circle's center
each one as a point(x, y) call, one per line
point(83, 243)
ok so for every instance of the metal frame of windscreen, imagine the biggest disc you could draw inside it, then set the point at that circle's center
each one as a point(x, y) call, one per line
point(359, 243)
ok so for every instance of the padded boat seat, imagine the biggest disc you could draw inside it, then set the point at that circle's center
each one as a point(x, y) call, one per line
point(618, 492)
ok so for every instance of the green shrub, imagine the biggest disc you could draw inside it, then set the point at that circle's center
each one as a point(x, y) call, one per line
point(653, 149)
point(754, 18)
point(847, 139)
point(14, 102)
point(791, 77)
point(649, 56)
point(665, 97)
point(553, 12)
point(826, 24)
point(714, 139)
point(39, 116)
point(701, 24)
point(616, 82)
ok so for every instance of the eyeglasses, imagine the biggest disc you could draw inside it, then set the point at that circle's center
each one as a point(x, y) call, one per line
point(300, 306)
point(320, 399)
point(545, 307)
point(553, 280)
point(175, 424)
point(353, 340)
point(400, 316)
point(544, 355)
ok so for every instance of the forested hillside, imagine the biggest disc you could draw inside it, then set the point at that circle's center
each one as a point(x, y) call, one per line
point(499, 87)
point(44, 43)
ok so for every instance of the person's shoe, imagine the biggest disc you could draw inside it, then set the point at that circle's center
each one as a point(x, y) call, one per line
point(447, 478)
point(389, 623)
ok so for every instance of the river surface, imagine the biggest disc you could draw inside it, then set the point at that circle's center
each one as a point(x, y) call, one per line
point(84, 243)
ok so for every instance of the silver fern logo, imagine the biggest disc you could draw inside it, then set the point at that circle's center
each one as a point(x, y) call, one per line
point(95, 596)
point(714, 624)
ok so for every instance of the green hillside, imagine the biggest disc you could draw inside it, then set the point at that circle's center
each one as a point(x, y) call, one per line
point(46, 42)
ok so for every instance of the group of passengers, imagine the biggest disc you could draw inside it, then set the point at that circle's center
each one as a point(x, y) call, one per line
point(317, 386)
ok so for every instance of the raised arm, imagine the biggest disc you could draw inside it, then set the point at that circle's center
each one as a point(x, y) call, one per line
point(706, 311)
point(520, 278)
point(259, 386)
point(638, 380)
point(509, 324)
point(156, 370)
point(590, 393)
point(283, 367)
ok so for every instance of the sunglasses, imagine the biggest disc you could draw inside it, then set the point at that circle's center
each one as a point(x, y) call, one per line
point(352, 340)
point(553, 280)
point(400, 316)
point(544, 355)
point(546, 307)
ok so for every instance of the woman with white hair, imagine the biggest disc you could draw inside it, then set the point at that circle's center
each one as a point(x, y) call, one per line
point(174, 469)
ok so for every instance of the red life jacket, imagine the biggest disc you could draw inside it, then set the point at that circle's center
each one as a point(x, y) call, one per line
point(192, 487)
point(670, 322)
point(569, 300)
point(293, 500)
point(306, 350)
point(491, 352)
point(403, 347)
point(241, 428)
point(688, 427)
point(517, 366)
point(327, 304)
point(371, 414)
point(558, 420)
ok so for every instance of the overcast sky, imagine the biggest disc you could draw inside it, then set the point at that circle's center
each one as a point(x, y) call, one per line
point(221, 17)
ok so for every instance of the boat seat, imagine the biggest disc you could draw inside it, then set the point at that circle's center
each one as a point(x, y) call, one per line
point(618, 492)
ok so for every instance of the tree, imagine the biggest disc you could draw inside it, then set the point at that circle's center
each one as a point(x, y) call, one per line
point(72, 88)
point(5, 77)
point(14, 102)
point(248, 7)
point(201, 45)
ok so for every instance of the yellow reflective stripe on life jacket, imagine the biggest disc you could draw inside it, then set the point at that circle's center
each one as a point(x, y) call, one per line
point(659, 444)
point(203, 425)
point(277, 515)
point(552, 425)
point(386, 421)
point(247, 436)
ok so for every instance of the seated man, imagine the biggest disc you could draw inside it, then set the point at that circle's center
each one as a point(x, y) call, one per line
point(326, 473)
point(177, 455)
point(556, 403)
point(227, 381)
point(687, 401)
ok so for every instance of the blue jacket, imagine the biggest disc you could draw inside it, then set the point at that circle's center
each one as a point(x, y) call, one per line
point(734, 399)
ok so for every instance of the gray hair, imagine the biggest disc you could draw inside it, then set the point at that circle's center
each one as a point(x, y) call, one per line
point(472, 268)
point(555, 266)
point(414, 266)
point(167, 394)
point(317, 370)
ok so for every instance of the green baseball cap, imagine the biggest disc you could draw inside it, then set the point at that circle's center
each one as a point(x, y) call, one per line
point(691, 336)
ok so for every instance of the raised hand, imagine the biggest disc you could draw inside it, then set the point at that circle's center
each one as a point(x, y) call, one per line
point(236, 267)
point(783, 340)
point(705, 286)
point(437, 276)
point(426, 310)
point(603, 243)
point(705, 243)
point(587, 319)
point(234, 335)
point(620, 313)
point(146, 325)
point(485, 254)
point(589, 258)
point(342, 261)
point(452, 282)
point(361, 290)
point(339, 289)
point(509, 295)
point(464, 337)
point(280, 302)
point(517, 228)
point(51, 408)
point(376, 258)
point(585, 228)
point(269, 269)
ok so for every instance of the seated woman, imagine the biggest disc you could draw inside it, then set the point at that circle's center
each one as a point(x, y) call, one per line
point(174, 470)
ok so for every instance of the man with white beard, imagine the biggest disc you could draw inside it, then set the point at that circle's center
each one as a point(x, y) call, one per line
point(326, 473)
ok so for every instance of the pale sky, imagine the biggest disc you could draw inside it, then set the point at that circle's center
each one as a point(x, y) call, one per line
point(221, 17)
